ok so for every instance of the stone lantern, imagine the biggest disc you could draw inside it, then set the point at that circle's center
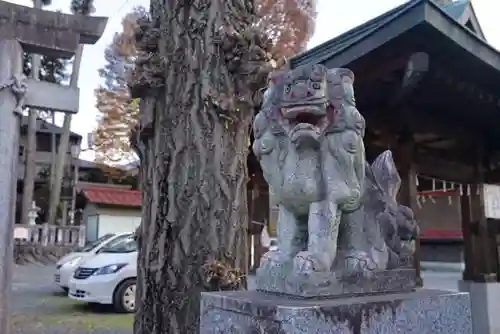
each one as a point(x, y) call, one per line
point(33, 214)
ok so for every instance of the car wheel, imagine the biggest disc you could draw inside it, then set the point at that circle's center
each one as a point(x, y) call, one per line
point(124, 297)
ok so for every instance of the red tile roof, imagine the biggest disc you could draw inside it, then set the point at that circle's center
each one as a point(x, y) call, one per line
point(112, 196)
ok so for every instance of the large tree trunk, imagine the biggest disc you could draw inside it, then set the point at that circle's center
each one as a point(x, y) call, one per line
point(193, 160)
point(194, 187)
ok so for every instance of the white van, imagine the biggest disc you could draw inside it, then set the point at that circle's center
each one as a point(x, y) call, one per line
point(109, 277)
point(68, 263)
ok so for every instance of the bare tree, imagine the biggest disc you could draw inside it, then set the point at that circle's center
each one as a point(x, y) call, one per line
point(119, 112)
point(288, 23)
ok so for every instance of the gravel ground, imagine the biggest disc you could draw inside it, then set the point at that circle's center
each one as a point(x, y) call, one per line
point(34, 293)
point(30, 284)
point(65, 330)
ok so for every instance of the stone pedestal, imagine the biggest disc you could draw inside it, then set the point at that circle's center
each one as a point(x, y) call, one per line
point(280, 280)
point(419, 312)
point(485, 303)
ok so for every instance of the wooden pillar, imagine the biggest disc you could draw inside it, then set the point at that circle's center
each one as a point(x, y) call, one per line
point(466, 221)
point(262, 216)
point(249, 210)
point(483, 257)
point(493, 223)
point(405, 159)
point(480, 254)
point(258, 208)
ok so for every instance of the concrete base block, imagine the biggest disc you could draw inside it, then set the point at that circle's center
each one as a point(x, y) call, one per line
point(485, 304)
point(418, 312)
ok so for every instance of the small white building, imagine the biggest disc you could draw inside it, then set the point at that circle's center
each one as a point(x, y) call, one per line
point(110, 209)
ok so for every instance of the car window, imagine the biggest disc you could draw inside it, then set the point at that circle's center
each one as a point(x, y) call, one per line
point(119, 239)
point(91, 246)
point(124, 245)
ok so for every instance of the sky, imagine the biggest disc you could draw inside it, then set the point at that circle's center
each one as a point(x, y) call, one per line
point(334, 18)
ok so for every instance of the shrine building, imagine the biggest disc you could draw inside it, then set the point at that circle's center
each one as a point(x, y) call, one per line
point(426, 81)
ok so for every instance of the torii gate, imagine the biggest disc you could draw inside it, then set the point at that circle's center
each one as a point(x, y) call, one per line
point(46, 33)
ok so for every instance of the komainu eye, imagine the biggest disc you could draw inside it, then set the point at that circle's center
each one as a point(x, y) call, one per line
point(288, 88)
point(316, 85)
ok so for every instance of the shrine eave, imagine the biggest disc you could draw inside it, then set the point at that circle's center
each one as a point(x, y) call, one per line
point(360, 41)
point(463, 70)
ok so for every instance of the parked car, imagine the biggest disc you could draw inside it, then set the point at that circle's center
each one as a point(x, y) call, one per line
point(109, 277)
point(67, 264)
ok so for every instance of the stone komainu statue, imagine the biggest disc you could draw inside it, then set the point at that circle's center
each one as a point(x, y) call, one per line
point(336, 212)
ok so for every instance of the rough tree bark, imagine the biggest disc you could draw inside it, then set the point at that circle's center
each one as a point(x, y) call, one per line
point(200, 73)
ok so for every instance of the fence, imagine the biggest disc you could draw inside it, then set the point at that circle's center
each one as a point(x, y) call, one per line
point(50, 235)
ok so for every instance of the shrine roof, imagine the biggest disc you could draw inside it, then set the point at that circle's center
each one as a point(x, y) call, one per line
point(46, 127)
point(457, 69)
point(102, 195)
point(456, 8)
point(445, 19)
point(463, 12)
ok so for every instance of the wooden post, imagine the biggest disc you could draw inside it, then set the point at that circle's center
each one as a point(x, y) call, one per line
point(258, 204)
point(250, 224)
point(484, 258)
point(262, 216)
point(466, 221)
point(405, 159)
point(479, 246)
point(10, 66)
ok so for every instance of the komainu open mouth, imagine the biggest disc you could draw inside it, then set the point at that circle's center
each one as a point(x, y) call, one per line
point(304, 125)
point(304, 120)
point(308, 118)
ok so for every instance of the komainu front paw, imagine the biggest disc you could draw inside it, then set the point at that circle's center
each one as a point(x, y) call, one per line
point(306, 263)
point(357, 261)
point(272, 259)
